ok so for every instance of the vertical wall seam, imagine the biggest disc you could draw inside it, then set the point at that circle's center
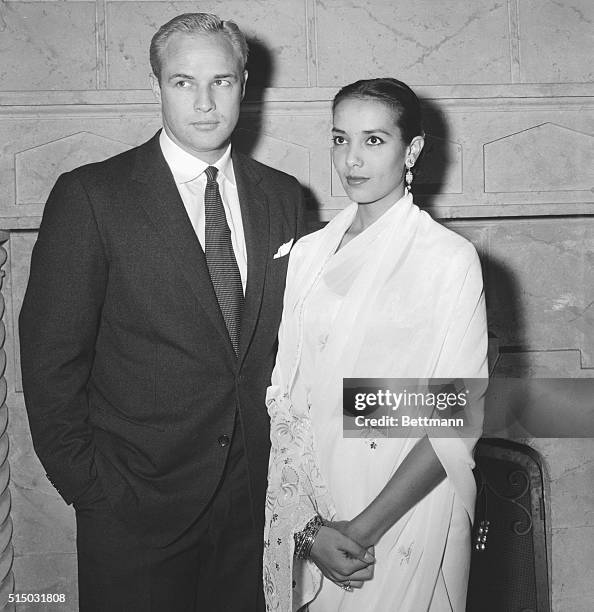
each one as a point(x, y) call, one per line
point(513, 8)
point(101, 42)
point(311, 33)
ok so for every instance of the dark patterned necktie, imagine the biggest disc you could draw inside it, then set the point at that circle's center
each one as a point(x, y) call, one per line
point(220, 258)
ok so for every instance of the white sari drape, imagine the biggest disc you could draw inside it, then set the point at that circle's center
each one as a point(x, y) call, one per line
point(403, 299)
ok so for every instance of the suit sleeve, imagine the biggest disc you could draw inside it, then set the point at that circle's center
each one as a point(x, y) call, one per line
point(58, 327)
point(300, 219)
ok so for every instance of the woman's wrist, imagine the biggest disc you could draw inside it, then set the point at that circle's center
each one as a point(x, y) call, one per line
point(363, 532)
point(305, 538)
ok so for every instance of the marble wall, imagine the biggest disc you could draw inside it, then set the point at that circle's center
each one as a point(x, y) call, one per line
point(509, 99)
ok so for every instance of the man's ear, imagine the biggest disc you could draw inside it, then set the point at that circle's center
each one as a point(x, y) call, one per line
point(245, 77)
point(155, 87)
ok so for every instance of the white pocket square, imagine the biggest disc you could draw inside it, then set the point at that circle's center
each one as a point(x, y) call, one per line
point(283, 249)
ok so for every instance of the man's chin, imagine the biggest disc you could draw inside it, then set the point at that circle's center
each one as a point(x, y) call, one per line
point(206, 149)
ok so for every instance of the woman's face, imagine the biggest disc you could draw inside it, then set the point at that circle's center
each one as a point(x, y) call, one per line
point(368, 152)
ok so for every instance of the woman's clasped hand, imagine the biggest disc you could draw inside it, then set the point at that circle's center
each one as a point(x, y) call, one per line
point(340, 558)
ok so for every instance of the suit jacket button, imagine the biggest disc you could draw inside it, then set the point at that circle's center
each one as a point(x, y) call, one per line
point(224, 440)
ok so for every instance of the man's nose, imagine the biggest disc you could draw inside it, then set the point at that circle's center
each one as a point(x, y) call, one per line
point(204, 100)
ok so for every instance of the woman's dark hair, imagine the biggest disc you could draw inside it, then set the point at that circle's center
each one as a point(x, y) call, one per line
point(396, 94)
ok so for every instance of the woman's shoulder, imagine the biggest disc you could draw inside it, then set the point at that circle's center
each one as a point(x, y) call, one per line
point(304, 246)
point(444, 244)
point(443, 237)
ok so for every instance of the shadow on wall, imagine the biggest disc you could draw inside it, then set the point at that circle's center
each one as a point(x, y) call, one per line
point(261, 68)
point(440, 171)
point(435, 160)
point(506, 319)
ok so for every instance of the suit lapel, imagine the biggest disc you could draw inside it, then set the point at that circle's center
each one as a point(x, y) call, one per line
point(256, 226)
point(164, 206)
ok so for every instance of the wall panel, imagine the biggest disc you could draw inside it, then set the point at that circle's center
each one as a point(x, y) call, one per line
point(420, 42)
point(568, 29)
point(47, 45)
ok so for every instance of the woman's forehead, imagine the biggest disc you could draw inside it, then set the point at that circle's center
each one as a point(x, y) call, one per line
point(364, 114)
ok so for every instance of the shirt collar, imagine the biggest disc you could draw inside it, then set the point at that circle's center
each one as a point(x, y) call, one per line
point(185, 167)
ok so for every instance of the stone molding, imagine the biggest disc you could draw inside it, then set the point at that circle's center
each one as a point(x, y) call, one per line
point(6, 548)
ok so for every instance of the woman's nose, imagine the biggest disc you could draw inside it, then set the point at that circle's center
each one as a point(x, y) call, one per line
point(353, 158)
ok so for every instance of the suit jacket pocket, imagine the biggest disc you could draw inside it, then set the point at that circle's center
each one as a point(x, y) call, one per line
point(118, 422)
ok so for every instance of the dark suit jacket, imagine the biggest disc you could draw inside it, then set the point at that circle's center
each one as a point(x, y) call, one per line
point(128, 371)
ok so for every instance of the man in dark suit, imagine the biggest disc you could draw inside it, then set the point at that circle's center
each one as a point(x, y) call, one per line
point(148, 336)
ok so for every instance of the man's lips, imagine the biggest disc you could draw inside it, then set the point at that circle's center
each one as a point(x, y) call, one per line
point(205, 125)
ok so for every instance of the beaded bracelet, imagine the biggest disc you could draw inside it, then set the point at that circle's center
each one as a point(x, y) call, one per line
point(304, 539)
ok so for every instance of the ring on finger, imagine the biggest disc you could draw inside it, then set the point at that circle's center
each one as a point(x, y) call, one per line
point(346, 586)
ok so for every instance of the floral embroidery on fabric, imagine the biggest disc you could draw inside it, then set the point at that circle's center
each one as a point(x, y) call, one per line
point(405, 553)
point(292, 488)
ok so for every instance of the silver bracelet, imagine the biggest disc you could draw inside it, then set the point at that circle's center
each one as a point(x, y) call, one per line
point(304, 539)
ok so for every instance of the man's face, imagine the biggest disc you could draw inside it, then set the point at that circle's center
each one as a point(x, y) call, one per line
point(200, 90)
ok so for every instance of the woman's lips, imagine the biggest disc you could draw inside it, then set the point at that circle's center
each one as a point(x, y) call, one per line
point(353, 181)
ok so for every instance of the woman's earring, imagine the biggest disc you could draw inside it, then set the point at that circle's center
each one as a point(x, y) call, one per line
point(409, 176)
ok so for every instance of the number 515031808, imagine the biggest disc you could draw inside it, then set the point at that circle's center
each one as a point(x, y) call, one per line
point(36, 598)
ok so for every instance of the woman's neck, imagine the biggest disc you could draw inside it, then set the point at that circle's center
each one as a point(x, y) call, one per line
point(366, 215)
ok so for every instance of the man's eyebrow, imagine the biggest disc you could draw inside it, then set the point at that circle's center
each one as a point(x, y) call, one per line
point(181, 75)
point(228, 75)
point(188, 77)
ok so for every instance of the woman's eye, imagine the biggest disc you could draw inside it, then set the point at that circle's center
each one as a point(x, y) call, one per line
point(338, 140)
point(374, 140)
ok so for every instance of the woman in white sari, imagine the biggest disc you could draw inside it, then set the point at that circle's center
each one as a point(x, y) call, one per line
point(381, 291)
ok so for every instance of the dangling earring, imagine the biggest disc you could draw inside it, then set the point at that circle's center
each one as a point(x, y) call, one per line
point(409, 176)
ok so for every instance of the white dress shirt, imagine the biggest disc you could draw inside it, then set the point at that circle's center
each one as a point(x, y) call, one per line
point(189, 176)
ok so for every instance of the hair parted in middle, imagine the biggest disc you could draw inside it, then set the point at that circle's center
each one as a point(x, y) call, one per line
point(197, 23)
point(395, 94)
